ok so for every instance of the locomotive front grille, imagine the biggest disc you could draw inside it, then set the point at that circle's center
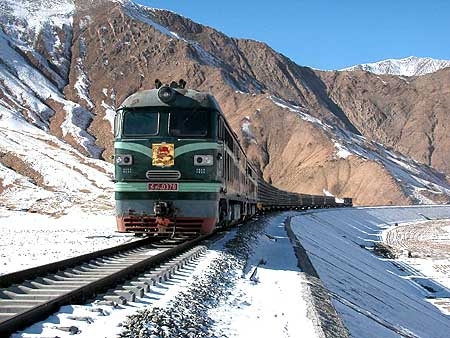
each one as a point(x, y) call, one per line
point(163, 175)
point(148, 225)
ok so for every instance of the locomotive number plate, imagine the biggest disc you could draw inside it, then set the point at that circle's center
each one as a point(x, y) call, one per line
point(163, 186)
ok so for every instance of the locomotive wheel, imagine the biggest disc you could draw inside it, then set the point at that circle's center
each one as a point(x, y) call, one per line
point(223, 212)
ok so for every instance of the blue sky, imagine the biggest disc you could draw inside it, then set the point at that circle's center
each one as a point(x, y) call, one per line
point(329, 34)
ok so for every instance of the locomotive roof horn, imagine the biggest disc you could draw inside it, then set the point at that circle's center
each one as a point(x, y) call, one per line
point(181, 84)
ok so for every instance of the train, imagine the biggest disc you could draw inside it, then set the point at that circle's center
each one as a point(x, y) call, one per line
point(180, 169)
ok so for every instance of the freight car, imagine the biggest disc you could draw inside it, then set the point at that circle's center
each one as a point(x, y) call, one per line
point(179, 167)
point(271, 198)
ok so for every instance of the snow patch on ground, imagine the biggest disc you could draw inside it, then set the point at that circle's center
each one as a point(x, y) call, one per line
point(44, 239)
point(375, 296)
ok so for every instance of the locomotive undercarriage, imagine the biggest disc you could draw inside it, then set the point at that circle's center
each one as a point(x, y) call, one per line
point(166, 218)
point(164, 226)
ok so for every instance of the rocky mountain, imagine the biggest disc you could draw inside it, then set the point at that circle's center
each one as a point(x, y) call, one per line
point(410, 115)
point(410, 66)
point(66, 65)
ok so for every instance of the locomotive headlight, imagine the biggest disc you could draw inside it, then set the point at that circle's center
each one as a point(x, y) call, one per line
point(203, 160)
point(166, 94)
point(124, 159)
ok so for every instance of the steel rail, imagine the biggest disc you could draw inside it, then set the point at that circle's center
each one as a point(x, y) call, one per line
point(77, 279)
point(20, 276)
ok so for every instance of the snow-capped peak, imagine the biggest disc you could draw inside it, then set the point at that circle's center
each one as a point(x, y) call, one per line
point(410, 66)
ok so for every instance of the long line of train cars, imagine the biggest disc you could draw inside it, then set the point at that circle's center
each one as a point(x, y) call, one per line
point(179, 167)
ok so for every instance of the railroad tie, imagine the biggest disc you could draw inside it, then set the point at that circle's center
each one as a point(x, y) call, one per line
point(114, 298)
point(136, 289)
point(128, 295)
point(145, 285)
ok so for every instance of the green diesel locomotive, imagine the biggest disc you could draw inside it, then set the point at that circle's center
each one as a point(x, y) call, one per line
point(178, 165)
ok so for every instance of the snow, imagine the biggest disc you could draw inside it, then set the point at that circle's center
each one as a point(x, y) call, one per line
point(246, 126)
point(279, 285)
point(26, 86)
point(302, 112)
point(410, 66)
point(37, 14)
point(415, 243)
point(342, 152)
point(110, 114)
point(25, 81)
point(83, 83)
point(44, 239)
point(272, 302)
point(374, 296)
point(327, 193)
point(75, 180)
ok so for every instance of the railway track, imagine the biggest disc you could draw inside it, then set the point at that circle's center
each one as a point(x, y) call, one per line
point(116, 275)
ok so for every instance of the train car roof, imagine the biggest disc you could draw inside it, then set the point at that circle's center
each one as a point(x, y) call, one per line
point(183, 98)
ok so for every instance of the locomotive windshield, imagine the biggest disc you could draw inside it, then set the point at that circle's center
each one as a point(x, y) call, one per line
point(192, 123)
point(139, 123)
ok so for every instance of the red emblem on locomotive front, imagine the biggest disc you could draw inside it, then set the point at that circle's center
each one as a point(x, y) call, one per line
point(163, 154)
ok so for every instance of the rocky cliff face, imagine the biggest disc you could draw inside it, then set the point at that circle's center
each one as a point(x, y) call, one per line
point(376, 138)
point(410, 115)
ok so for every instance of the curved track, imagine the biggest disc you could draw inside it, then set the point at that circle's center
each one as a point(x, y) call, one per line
point(31, 295)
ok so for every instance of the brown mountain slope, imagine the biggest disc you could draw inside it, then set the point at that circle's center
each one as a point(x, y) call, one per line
point(296, 155)
point(411, 115)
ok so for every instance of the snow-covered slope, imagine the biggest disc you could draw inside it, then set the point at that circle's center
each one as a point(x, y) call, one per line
point(35, 45)
point(41, 174)
point(39, 171)
point(410, 66)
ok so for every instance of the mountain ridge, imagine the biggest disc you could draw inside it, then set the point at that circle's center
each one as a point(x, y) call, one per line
point(410, 66)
